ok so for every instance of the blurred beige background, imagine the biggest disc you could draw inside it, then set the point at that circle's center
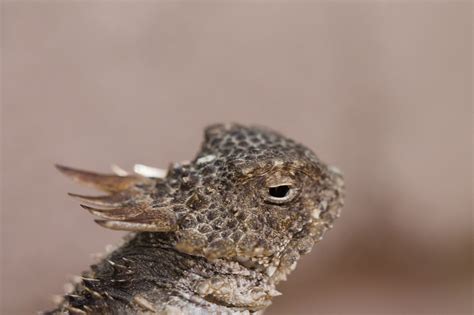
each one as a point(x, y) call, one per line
point(381, 89)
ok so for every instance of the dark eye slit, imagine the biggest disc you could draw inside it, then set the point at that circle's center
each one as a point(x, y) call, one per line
point(279, 191)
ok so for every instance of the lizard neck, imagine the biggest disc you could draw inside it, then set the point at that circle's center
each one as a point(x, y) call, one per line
point(147, 274)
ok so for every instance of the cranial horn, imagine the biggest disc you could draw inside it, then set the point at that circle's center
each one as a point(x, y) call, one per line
point(104, 182)
point(114, 200)
point(136, 226)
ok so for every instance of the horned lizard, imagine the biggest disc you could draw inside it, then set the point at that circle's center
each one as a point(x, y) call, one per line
point(211, 236)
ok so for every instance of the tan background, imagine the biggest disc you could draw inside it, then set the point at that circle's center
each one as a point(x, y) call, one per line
point(383, 90)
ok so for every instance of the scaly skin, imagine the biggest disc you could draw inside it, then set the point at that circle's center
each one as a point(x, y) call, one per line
point(216, 234)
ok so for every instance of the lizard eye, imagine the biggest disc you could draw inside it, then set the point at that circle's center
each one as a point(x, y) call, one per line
point(279, 191)
point(280, 194)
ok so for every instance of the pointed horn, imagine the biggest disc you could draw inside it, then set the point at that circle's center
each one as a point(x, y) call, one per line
point(133, 226)
point(116, 200)
point(111, 214)
point(118, 170)
point(104, 182)
point(149, 171)
point(151, 220)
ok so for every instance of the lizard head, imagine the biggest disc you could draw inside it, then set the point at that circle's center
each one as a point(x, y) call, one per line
point(251, 195)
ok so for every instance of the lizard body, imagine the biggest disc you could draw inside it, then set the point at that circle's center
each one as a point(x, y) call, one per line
point(215, 235)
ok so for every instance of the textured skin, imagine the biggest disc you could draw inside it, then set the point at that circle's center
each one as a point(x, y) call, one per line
point(216, 234)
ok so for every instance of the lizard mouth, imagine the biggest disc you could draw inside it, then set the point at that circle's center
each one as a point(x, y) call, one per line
point(296, 243)
point(299, 244)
